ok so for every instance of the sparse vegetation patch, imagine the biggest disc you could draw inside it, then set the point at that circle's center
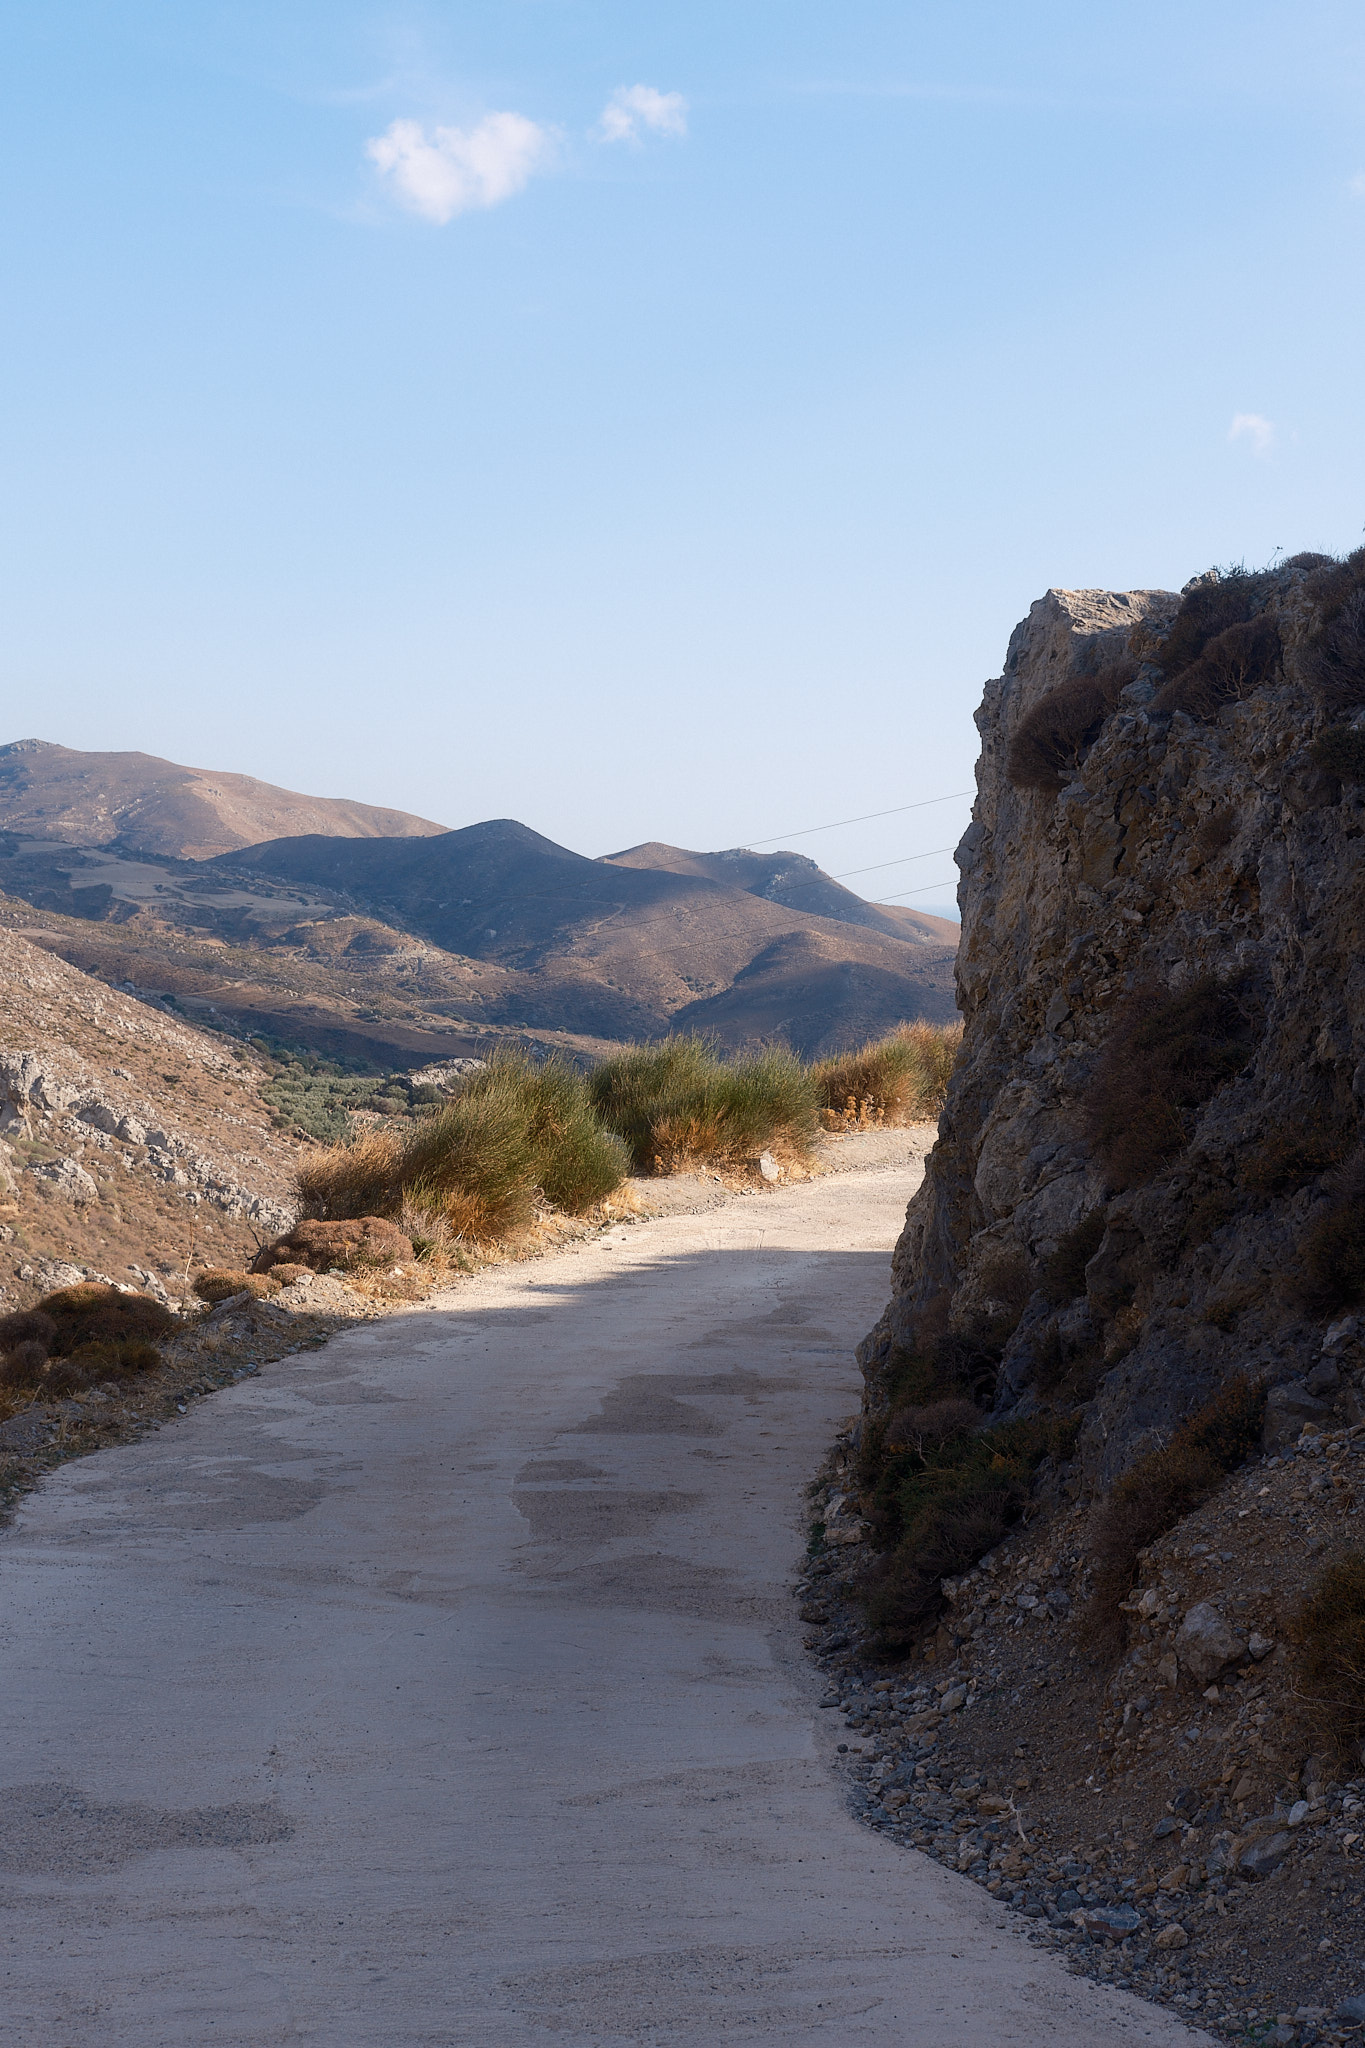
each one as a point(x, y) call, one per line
point(1053, 738)
point(1165, 1056)
point(675, 1105)
point(897, 1080)
point(1160, 1489)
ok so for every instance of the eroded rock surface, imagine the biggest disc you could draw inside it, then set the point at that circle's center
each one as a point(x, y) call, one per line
point(1220, 850)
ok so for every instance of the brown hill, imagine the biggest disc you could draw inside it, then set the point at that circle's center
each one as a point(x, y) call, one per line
point(402, 945)
point(611, 950)
point(92, 799)
point(791, 879)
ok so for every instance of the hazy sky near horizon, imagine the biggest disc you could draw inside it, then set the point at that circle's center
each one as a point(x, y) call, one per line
point(649, 422)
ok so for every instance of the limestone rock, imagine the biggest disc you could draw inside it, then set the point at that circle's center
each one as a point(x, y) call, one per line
point(1205, 1645)
point(1177, 850)
point(69, 1178)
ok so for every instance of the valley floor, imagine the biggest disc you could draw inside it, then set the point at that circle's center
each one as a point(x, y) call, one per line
point(445, 1686)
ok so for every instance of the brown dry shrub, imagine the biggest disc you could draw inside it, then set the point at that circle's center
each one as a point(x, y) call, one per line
point(1341, 752)
point(1332, 1247)
point(1286, 1159)
point(1335, 664)
point(1218, 830)
point(106, 1357)
point(1329, 1634)
point(1165, 1055)
point(919, 1428)
point(1054, 736)
point(27, 1325)
point(220, 1283)
point(90, 1313)
point(1227, 598)
point(900, 1079)
point(1230, 668)
point(356, 1242)
point(24, 1364)
point(1063, 1275)
point(360, 1179)
point(1159, 1490)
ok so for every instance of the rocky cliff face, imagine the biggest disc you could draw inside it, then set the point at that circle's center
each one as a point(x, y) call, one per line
point(1148, 1176)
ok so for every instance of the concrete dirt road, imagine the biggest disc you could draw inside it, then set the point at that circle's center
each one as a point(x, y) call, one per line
point(445, 1687)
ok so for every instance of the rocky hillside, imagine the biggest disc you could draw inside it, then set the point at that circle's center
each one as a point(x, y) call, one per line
point(132, 1148)
point(1102, 1510)
point(1149, 1176)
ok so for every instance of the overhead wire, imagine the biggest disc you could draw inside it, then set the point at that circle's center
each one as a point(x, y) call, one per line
point(904, 861)
point(897, 811)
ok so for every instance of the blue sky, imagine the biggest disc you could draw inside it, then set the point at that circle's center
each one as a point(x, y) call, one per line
point(400, 403)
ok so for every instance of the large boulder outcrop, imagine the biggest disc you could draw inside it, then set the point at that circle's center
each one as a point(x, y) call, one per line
point(1149, 1174)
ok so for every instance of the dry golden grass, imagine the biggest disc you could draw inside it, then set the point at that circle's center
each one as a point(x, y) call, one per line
point(902, 1079)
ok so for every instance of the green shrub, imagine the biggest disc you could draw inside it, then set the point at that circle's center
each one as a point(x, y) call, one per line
point(948, 1492)
point(1229, 668)
point(674, 1104)
point(1165, 1055)
point(1054, 736)
point(1160, 1489)
point(896, 1080)
point(477, 1163)
point(1341, 751)
point(1329, 1634)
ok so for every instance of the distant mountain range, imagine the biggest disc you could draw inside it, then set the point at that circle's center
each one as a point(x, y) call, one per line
point(51, 792)
point(370, 931)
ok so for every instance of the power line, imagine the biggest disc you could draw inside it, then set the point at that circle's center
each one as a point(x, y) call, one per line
point(902, 862)
point(932, 890)
point(866, 818)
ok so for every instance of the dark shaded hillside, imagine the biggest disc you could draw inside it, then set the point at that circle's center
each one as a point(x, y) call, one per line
point(494, 891)
point(608, 950)
point(791, 879)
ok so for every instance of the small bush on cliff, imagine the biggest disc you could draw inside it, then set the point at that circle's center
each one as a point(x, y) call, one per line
point(1165, 1055)
point(1329, 1634)
point(1332, 1247)
point(897, 1080)
point(1053, 738)
point(1063, 1275)
point(1286, 1159)
point(674, 1104)
point(1230, 667)
point(1226, 597)
point(947, 1494)
point(1341, 751)
point(1335, 662)
point(1159, 1490)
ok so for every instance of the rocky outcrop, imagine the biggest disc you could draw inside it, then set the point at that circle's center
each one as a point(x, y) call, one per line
point(1148, 1176)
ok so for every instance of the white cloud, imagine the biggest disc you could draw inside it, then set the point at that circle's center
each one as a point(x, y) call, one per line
point(1250, 426)
point(455, 170)
point(632, 108)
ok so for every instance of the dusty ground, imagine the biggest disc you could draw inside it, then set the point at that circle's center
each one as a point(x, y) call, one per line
point(443, 1685)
